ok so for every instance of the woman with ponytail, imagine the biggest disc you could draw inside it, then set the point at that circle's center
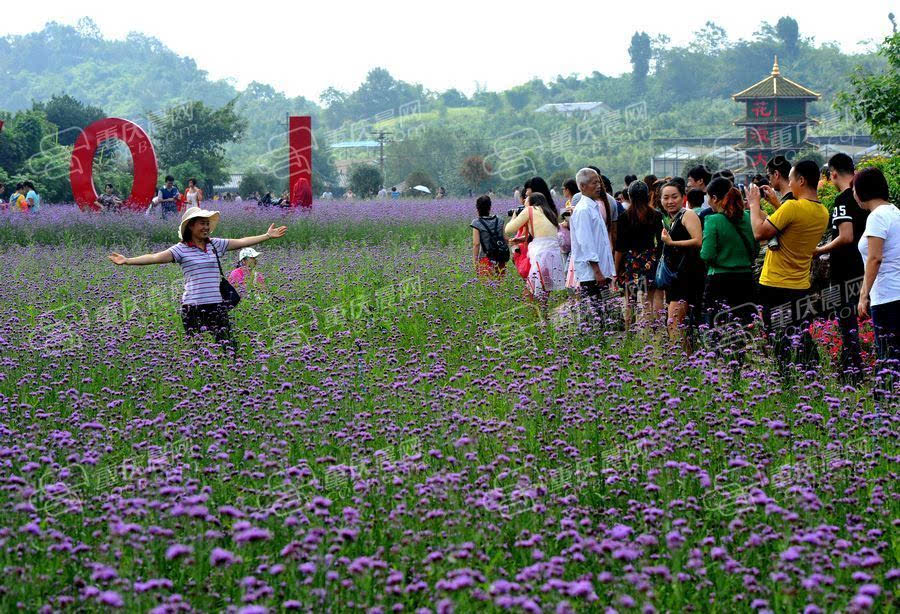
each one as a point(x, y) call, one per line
point(729, 250)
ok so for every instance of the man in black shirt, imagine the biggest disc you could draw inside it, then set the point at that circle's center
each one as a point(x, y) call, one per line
point(848, 221)
point(777, 171)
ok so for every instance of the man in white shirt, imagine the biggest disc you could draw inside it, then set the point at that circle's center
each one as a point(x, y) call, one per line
point(591, 250)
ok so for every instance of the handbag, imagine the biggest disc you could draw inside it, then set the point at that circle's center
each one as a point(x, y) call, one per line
point(665, 275)
point(230, 296)
point(520, 256)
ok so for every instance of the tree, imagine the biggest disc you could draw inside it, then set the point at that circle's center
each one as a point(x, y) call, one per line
point(419, 177)
point(253, 180)
point(558, 178)
point(453, 98)
point(789, 32)
point(518, 97)
point(24, 135)
point(475, 171)
point(70, 116)
point(874, 97)
point(711, 39)
point(365, 180)
point(640, 53)
point(197, 133)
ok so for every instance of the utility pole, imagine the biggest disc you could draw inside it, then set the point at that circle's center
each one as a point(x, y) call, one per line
point(383, 137)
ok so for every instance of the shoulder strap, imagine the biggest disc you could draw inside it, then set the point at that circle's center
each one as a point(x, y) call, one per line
point(530, 221)
point(213, 247)
point(484, 247)
point(746, 243)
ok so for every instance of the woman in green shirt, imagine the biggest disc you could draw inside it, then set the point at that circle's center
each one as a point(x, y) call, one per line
point(729, 251)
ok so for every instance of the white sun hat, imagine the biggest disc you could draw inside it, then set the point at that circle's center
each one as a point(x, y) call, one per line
point(193, 212)
point(247, 252)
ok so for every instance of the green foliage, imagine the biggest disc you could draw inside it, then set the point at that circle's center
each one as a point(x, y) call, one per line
point(49, 171)
point(875, 95)
point(685, 90)
point(810, 154)
point(891, 169)
point(712, 164)
point(24, 134)
point(828, 192)
point(188, 170)
point(380, 94)
point(558, 178)
point(69, 115)
point(474, 172)
point(253, 180)
point(196, 134)
point(420, 177)
point(639, 51)
point(789, 32)
point(127, 78)
point(365, 180)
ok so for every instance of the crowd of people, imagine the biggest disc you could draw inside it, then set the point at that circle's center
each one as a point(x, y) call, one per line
point(684, 254)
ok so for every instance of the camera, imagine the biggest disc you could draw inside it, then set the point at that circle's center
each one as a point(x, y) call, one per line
point(514, 212)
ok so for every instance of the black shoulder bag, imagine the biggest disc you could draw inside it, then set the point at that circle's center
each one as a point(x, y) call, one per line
point(230, 296)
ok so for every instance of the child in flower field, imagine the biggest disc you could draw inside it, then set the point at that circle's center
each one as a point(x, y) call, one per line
point(245, 276)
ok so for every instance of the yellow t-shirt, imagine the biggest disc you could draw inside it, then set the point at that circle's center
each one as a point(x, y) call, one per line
point(801, 224)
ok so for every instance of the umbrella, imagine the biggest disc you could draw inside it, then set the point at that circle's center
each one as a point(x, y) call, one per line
point(422, 188)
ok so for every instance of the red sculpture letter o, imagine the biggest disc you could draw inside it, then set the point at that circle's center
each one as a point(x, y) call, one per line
point(81, 170)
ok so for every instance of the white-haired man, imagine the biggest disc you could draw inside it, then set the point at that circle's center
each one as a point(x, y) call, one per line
point(591, 251)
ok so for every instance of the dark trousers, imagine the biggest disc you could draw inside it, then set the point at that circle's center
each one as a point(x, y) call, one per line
point(729, 296)
point(213, 318)
point(168, 209)
point(597, 295)
point(728, 309)
point(787, 320)
point(886, 323)
point(851, 357)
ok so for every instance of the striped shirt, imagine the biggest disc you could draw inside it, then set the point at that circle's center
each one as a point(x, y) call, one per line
point(201, 273)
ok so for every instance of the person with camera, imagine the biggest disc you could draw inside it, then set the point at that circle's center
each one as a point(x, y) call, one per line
point(490, 250)
point(546, 272)
point(793, 231)
point(778, 171)
point(848, 222)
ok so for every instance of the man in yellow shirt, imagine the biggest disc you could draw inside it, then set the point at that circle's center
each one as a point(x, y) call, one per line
point(793, 232)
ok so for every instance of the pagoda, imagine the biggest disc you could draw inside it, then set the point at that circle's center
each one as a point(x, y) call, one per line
point(775, 121)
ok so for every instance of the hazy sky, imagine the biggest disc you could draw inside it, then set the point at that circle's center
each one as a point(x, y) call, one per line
point(302, 48)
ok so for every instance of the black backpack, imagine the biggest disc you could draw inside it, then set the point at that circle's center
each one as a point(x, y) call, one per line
point(496, 248)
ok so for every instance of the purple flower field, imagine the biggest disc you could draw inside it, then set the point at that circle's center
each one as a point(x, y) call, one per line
point(395, 436)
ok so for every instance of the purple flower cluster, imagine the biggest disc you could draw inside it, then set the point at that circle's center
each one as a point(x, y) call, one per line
point(144, 471)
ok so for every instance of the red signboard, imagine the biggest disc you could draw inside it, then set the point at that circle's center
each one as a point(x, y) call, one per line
point(300, 152)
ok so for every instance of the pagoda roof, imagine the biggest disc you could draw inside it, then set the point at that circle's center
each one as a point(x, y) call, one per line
point(776, 86)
